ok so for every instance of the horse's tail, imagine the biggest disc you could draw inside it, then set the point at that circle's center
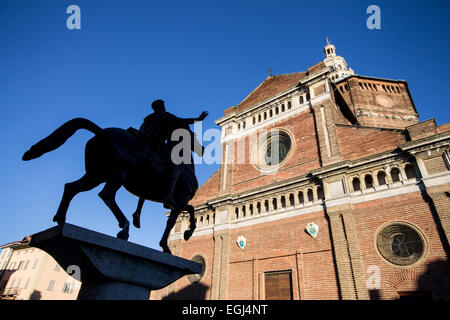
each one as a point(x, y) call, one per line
point(59, 136)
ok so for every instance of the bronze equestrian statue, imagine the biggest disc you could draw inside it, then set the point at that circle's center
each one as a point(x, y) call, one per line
point(140, 161)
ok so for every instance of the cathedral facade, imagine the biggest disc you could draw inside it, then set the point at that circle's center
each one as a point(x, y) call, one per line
point(329, 188)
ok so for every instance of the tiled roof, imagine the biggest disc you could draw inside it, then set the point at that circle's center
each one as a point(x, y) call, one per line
point(270, 87)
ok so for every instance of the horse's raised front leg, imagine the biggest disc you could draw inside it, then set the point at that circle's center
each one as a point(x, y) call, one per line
point(188, 233)
point(85, 183)
point(170, 224)
point(137, 213)
point(108, 195)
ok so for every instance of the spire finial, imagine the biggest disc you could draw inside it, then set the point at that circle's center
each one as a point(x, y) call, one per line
point(328, 42)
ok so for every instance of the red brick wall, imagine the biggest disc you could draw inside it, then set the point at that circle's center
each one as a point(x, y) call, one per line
point(356, 142)
point(303, 157)
point(274, 246)
point(372, 215)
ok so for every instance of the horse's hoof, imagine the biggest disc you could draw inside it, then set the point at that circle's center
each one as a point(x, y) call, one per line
point(136, 221)
point(123, 235)
point(165, 248)
point(58, 220)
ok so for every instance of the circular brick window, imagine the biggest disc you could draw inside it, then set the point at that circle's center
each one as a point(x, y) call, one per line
point(400, 244)
point(194, 278)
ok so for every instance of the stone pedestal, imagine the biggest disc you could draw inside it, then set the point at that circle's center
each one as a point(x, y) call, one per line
point(111, 268)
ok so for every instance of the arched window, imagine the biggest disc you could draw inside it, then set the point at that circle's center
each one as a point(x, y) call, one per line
point(301, 199)
point(250, 209)
point(283, 202)
point(301, 99)
point(201, 220)
point(207, 219)
point(282, 108)
point(243, 211)
point(368, 180)
point(320, 193)
point(291, 200)
point(265, 115)
point(276, 110)
point(356, 184)
point(270, 113)
point(395, 175)
point(239, 126)
point(259, 118)
point(410, 172)
point(289, 105)
point(274, 203)
point(254, 120)
point(258, 207)
point(381, 177)
point(236, 213)
point(310, 195)
point(266, 206)
point(243, 125)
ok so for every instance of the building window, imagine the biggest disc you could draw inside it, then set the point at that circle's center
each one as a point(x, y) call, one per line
point(356, 184)
point(68, 287)
point(301, 199)
point(194, 278)
point(236, 212)
point(266, 206)
point(274, 203)
point(409, 171)
point(308, 97)
point(289, 105)
point(320, 193)
point(51, 285)
point(368, 180)
point(278, 285)
point(310, 195)
point(276, 147)
point(400, 244)
point(283, 202)
point(291, 200)
point(258, 207)
point(381, 177)
point(26, 283)
point(250, 209)
point(395, 175)
point(301, 99)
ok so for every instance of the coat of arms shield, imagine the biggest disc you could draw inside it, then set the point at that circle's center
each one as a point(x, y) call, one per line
point(241, 241)
point(312, 229)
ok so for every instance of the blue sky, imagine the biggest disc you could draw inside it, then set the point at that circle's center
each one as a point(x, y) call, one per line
point(195, 55)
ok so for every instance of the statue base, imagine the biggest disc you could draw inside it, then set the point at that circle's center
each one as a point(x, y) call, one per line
point(111, 268)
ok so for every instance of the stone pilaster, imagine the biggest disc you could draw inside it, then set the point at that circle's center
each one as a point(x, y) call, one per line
point(347, 254)
point(220, 265)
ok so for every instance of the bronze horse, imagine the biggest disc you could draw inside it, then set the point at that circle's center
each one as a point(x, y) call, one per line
point(117, 158)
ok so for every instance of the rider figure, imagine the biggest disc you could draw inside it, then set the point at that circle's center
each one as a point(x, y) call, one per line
point(157, 128)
